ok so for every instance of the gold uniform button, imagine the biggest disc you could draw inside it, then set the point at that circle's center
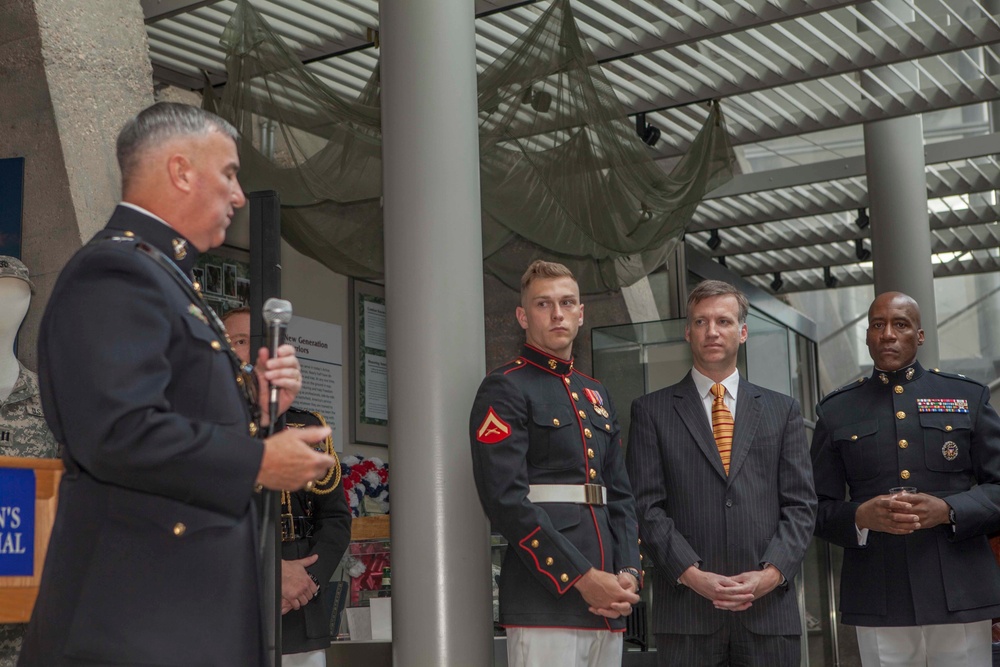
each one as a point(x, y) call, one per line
point(555, 421)
point(898, 389)
point(179, 529)
point(641, 557)
point(196, 285)
point(534, 544)
point(518, 362)
point(905, 474)
point(639, 541)
point(239, 379)
point(258, 488)
point(576, 396)
point(566, 380)
point(593, 474)
point(854, 437)
point(129, 234)
point(564, 577)
point(216, 345)
point(583, 415)
point(607, 427)
point(587, 432)
point(948, 427)
point(252, 428)
point(549, 560)
point(590, 453)
point(903, 444)
point(900, 415)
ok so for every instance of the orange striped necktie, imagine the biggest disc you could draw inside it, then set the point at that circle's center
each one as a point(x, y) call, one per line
point(722, 425)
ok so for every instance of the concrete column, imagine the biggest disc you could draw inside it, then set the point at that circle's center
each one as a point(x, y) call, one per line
point(73, 73)
point(441, 612)
point(897, 195)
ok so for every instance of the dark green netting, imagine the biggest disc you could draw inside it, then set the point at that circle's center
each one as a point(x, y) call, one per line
point(563, 174)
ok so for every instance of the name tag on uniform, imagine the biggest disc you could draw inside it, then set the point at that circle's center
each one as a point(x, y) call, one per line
point(942, 405)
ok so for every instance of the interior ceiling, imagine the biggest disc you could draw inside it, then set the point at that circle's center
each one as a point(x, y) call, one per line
point(797, 80)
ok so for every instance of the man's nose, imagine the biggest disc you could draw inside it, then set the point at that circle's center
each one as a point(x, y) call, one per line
point(238, 197)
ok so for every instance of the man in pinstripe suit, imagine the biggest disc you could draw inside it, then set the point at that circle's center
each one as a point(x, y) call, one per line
point(725, 513)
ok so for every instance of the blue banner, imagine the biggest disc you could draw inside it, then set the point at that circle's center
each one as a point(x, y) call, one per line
point(17, 522)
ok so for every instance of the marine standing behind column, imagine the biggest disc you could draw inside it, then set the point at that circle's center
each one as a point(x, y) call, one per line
point(919, 580)
point(546, 454)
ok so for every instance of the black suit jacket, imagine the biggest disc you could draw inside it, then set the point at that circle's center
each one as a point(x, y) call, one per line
point(938, 433)
point(152, 558)
point(691, 512)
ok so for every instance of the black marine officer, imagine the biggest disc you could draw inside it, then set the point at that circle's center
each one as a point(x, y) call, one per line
point(919, 580)
point(547, 459)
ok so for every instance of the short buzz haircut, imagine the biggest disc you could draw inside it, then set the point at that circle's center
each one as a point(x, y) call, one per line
point(540, 269)
point(234, 311)
point(707, 289)
point(158, 123)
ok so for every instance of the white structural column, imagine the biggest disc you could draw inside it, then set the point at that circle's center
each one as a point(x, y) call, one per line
point(441, 606)
point(897, 194)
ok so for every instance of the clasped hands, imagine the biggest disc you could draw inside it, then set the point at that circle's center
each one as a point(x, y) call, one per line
point(735, 593)
point(902, 514)
point(607, 594)
point(297, 587)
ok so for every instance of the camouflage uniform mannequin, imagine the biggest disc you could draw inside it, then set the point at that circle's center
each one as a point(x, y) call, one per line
point(23, 431)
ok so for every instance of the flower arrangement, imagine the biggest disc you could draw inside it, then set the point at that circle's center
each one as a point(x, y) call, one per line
point(365, 478)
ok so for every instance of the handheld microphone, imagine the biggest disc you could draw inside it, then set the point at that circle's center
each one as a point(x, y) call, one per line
point(277, 314)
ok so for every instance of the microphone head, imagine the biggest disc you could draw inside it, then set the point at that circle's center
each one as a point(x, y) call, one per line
point(277, 310)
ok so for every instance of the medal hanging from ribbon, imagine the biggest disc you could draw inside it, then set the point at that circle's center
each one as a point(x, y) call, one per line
point(597, 401)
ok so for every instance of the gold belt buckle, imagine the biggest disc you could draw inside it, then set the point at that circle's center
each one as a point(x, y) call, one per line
point(593, 494)
point(287, 528)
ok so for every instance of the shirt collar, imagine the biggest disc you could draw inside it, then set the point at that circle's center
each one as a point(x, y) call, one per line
point(703, 383)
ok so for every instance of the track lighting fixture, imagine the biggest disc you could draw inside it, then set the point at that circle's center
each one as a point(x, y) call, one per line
point(777, 283)
point(862, 220)
point(714, 240)
point(829, 279)
point(861, 252)
point(649, 134)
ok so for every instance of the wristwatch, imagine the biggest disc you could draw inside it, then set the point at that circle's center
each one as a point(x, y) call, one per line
point(635, 573)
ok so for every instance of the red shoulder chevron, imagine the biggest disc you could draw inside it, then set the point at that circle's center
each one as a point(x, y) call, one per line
point(493, 429)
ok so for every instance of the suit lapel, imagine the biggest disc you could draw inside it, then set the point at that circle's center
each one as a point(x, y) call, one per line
point(692, 412)
point(748, 411)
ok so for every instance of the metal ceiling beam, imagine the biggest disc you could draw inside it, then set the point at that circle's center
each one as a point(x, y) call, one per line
point(976, 262)
point(703, 23)
point(920, 42)
point(157, 10)
point(863, 111)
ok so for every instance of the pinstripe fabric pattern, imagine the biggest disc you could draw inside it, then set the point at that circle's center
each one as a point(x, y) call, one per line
point(690, 512)
point(722, 425)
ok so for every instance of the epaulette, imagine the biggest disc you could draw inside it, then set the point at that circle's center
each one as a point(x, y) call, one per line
point(847, 387)
point(954, 376)
point(517, 362)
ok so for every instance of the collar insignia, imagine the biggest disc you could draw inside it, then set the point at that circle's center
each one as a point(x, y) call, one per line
point(180, 249)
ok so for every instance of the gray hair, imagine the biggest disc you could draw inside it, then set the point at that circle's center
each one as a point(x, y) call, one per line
point(156, 124)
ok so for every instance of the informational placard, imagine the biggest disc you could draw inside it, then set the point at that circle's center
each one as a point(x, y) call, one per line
point(318, 347)
point(369, 364)
point(17, 522)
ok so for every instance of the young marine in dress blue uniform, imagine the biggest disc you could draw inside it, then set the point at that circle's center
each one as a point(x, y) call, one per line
point(550, 473)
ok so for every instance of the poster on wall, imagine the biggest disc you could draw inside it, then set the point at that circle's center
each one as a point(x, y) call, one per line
point(224, 276)
point(369, 364)
point(318, 347)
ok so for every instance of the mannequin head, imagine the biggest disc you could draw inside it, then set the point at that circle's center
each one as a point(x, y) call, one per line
point(15, 297)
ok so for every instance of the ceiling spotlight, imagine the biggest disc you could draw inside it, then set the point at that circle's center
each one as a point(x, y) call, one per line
point(777, 283)
point(648, 133)
point(862, 220)
point(829, 279)
point(714, 241)
point(863, 254)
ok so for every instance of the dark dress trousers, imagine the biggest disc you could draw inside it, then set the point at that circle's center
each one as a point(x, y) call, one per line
point(691, 512)
point(933, 431)
point(322, 524)
point(535, 421)
point(153, 553)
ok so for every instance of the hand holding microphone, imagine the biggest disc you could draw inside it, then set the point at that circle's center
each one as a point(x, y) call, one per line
point(276, 364)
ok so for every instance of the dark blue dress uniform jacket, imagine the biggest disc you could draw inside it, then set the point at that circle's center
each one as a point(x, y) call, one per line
point(152, 558)
point(938, 433)
point(308, 628)
point(555, 435)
